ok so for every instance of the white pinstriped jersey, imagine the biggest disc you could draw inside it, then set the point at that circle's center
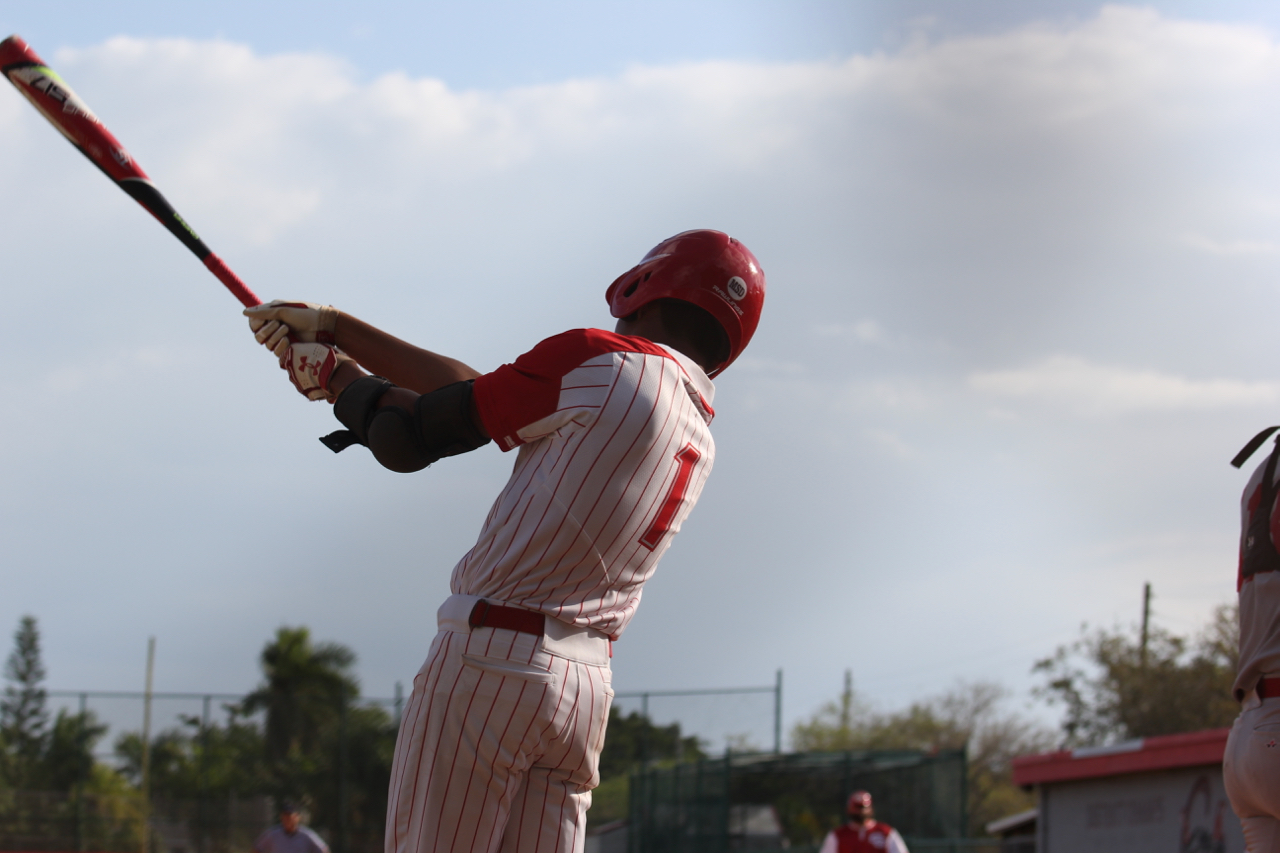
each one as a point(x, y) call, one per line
point(614, 448)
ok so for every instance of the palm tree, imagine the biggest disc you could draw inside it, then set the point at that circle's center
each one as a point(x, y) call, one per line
point(305, 691)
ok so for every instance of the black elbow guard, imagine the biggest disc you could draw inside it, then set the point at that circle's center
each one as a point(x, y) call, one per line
point(440, 426)
point(354, 407)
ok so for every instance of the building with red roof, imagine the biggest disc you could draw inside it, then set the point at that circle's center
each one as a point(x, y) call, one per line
point(1153, 794)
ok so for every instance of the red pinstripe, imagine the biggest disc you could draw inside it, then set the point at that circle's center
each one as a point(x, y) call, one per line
point(559, 569)
point(576, 448)
point(533, 596)
point(454, 787)
point(418, 775)
point(574, 592)
point(624, 528)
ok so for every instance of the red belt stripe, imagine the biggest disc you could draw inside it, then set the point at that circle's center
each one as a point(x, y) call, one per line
point(1269, 688)
point(486, 615)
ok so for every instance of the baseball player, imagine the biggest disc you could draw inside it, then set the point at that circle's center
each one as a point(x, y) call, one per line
point(1251, 764)
point(501, 736)
point(290, 836)
point(862, 833)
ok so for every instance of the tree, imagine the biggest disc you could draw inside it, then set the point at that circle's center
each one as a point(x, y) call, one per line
point(970, 716)
point(365, 760)
point(23, 716)
point(305, 689)
point(1114, 689)
point(198, 761)
point(68, 757)
point(628, 741)
point(316, 744)
point(33, 755)
point(631, 739)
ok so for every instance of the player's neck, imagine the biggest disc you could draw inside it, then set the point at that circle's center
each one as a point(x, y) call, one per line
point(647, 323)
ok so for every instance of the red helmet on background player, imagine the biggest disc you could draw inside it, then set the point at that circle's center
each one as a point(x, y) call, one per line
point(859, 804)
point(709, 269)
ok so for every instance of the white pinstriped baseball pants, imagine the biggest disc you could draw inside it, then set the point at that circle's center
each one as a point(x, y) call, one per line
point(1251, 773)
point(500, 741)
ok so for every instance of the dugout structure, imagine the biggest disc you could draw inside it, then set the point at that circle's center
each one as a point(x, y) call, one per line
point(771, 801)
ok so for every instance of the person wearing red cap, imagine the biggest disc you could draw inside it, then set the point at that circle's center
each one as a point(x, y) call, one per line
point(862, 833)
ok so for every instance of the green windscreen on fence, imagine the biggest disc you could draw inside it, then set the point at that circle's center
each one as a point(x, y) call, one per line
point(763, 802)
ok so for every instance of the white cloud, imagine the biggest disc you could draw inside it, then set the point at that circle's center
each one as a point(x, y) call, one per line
point(1075, 384)
point(998, 197)
point(863, 331)
point(1229, 248)
point(893, 443)
point(105, 369)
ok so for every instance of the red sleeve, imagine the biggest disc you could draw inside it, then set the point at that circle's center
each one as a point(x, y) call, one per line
point(530, 390)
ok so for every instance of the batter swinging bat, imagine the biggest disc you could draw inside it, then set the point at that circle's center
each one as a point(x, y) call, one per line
point(56, 102)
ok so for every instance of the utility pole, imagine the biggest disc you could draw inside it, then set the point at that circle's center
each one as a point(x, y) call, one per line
point(1146, 621)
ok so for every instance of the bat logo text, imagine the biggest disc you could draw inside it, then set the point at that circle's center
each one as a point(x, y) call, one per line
point(45, 81)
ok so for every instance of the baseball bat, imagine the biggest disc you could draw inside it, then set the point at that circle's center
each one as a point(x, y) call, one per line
point(63, 108)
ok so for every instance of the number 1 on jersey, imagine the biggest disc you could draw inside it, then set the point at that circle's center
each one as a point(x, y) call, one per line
point(687, 458)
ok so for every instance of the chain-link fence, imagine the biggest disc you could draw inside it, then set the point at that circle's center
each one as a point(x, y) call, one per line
point(740, 719)
point(764, 802)
point(41, 821)
point(200, 801)
point(211, 789)
point(122, 711)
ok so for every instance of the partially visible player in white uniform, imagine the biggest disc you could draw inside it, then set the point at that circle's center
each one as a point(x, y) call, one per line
point(500, 739)
point(862, 833)
point(1251, 765)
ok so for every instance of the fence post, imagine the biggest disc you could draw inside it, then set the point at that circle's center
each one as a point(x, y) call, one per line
point(343, 841)
point(725, 801)
point(846, 780)
point(80, 840)
point(146, 749)
point(202, 816)
point(644, 732)
point(777, 715)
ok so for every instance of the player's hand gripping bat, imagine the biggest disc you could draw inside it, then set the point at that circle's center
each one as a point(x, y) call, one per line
point(65, 111)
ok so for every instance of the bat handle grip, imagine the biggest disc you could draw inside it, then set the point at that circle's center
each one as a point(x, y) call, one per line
point(232, 281)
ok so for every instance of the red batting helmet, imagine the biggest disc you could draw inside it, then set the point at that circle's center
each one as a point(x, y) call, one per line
point(859, 801)
point(707, 268)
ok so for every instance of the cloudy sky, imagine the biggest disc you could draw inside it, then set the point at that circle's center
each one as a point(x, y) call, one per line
point(1022, 264)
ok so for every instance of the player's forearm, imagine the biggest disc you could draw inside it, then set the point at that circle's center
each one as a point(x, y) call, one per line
point(403, 363)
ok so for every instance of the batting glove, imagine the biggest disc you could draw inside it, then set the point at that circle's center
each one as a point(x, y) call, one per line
point(310, 367)
point(278, 323)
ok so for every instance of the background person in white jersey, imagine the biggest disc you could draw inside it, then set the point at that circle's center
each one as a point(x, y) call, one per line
point(500, 739)
point(290, 836)
point(1251, 764)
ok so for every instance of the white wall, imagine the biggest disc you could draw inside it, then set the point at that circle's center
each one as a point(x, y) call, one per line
point(1140, 813)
